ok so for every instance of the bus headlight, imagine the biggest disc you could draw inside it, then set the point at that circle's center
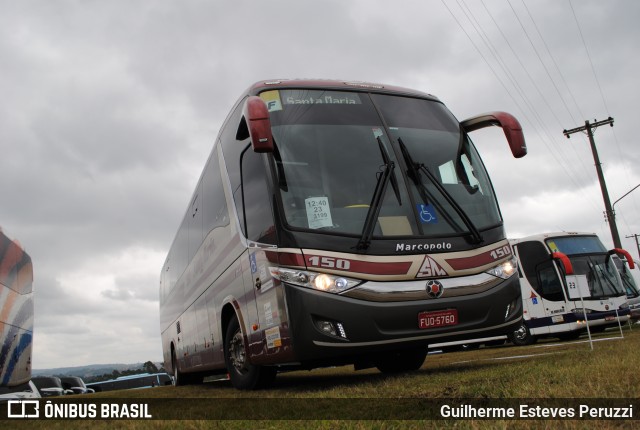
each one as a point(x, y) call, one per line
point(317, 281)
point(505, 269)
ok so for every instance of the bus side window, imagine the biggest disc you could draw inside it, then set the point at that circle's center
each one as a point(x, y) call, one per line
point(215, 212)
point(257, 207)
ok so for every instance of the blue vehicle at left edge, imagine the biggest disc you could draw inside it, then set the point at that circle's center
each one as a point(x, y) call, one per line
point(16, 320)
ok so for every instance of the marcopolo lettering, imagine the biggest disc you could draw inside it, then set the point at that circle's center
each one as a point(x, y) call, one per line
point(406, 247)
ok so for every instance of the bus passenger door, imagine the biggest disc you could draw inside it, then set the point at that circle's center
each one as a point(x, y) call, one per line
point(555, 307)
point(542, 292)
point(266, 312)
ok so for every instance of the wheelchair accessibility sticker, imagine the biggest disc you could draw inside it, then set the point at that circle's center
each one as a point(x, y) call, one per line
point(427, 214)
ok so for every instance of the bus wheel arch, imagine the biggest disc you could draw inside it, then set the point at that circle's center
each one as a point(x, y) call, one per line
point(180, 378)
point(228, 312)
point(177, 378)
point(243, 374)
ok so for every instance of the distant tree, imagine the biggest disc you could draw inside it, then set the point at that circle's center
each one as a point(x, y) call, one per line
point(149, 367)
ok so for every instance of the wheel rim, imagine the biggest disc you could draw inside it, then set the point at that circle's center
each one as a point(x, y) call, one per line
point(237, 355)
point(521, 333)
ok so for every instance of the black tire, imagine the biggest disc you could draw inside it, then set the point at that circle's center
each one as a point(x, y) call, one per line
point(243, 375)
point(180, 378)
point(522, 336)
point(407, 360)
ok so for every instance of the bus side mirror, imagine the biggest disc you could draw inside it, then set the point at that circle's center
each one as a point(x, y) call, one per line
point(564, 260)
point(256, 115)
point(621, 251)
point(510, 125)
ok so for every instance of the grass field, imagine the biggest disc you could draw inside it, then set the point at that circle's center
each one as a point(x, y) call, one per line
point(548, 374)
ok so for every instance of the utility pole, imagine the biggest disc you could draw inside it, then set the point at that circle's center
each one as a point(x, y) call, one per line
point(637, 243)
point(609, 213)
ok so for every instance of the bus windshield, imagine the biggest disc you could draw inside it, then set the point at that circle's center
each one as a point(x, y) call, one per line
point(573, 245)
point(330, 150)
point(629, 282)
point(589, 257)
point(602, 275)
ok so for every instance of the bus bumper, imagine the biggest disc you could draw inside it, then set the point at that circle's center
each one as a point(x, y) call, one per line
point(330, 328)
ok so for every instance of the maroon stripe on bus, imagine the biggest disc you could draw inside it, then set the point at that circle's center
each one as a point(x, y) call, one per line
point(286, 258)
point(400, 268)
point(471, 262)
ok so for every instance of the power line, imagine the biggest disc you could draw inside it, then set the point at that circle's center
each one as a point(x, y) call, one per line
point(579, 157)
point(541, 62)
point(604, 102)
point(555, 63)
point(568, 167)
point(477, 26)
point(593, 69)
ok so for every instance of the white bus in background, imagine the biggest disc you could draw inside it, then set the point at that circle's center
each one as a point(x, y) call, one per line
point(630, 274)
point(336, 223)
point(563, 277)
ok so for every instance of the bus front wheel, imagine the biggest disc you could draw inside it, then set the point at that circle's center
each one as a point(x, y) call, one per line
point(243, 374)
point(522, 336)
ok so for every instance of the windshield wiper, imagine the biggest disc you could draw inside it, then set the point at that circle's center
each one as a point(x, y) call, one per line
point(414, 174)
point(384, 177)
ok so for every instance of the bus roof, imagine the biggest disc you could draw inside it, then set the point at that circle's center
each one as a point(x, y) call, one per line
point(335, 85)
point(543, 236)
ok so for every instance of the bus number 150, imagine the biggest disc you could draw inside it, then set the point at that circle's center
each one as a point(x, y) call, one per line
point(329, 262)
point(500, 252)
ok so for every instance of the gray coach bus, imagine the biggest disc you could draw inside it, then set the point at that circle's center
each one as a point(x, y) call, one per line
point(337, 223)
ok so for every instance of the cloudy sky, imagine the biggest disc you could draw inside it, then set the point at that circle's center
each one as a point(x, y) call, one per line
point(108, 111)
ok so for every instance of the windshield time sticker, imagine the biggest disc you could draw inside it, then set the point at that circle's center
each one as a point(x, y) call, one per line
point(318, 212)
point(427, 214)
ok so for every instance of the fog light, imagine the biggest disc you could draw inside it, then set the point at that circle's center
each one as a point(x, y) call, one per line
point(332, 328)
point(326, 327)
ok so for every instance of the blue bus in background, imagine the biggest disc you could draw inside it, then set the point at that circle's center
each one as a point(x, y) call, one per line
point(142, 380)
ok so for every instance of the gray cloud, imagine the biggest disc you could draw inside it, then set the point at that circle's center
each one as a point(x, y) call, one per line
point(109, 111)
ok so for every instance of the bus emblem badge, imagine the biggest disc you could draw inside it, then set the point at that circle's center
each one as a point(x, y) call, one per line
point(434, 289)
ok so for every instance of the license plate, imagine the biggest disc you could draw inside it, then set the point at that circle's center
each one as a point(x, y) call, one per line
point(438, 318)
